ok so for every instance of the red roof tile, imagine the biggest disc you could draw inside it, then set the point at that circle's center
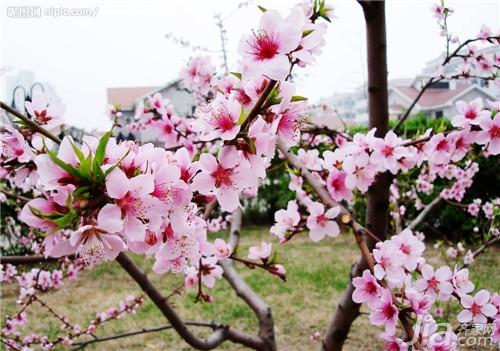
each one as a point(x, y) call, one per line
point(127, 96)
point(432, 97)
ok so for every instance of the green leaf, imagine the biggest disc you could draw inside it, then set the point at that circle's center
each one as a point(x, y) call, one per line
point(236, 74)
point(242, 117)
point(110, 169)
point(79, 154)
point(296, 98)
point(100, 155)
point(262, 8)
point(100, 152)
point(67, 167)
point(86, 167)
point(81, 191)
point(307, 32)
point(274, 258)
point(65, 220)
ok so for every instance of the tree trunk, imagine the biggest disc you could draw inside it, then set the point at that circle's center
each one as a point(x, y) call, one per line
point(378, 195)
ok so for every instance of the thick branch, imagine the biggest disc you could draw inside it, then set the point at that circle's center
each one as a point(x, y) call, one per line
point(221, 334)
point(245, 292)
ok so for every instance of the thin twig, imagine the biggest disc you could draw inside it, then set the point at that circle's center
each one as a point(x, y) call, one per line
point(34, 126)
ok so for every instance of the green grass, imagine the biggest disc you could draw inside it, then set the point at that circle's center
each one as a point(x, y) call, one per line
point(317, 275)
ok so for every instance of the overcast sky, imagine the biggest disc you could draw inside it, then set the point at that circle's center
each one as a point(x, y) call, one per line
point(125, 45)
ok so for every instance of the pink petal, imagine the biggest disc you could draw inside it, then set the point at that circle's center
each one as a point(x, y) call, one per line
point(109, 219)
point(465, 316)
point(117, 184)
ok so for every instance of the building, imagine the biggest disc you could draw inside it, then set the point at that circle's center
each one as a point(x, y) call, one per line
point(129, 97)
point(21, 87)
point(437, 101)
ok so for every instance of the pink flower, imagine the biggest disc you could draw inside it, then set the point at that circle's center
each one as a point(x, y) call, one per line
point(411, 248)
point(219, 118)
point(266, 48)
point(461, 282)
point(470, 113)
point(310, 159)
point(476, 309)
point(435, 284)
point(389, 263)
point(166, 131)
point(438, 11)
point(420, 303)
point(98, 242)
point(495, 335)
point(198, 76)
point(286, 220)
point(367, 289)
point(210, 271)
point(439, 149)
point(490, 134)
point(45, 112)
point(133, 197)
point(393, 343)
point(224, 178)
point(262, 252)
point(385, 312)
point(387, 152)
point(176, 252)
point(321, 223)
point(360, 172)
point(44, 206)
point(336, 185)
point(222, 249)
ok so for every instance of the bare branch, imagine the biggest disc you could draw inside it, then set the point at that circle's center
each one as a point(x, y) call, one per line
point(245, 292)
point(482, 248)
point(220, 334)
point(82, 344)
point(424, 213)
point(17, 260)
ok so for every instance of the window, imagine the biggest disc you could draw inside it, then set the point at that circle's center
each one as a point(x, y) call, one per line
point(439, 113)
point(441, 85)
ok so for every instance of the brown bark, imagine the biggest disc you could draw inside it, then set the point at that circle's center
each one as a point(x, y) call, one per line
point(245, 292)
point(378, 195)
point(221, 332)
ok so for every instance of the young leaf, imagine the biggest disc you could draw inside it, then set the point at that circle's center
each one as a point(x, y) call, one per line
point(296, 98)
point(67, 167)
point(100, 152)
point(236, 74)
point(262, 8)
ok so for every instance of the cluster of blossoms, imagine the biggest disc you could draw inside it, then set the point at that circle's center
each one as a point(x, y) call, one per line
point(99, 197)
point(14, 339)
point(392, 289)
point(354, 164)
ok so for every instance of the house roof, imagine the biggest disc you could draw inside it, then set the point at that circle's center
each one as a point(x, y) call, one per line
point(433, 97)
point(126, 97)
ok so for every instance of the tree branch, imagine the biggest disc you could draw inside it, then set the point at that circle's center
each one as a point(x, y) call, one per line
point(220, 334)
point(424, 213)
point(82, 344)
point(34, 126)
point(245, 292)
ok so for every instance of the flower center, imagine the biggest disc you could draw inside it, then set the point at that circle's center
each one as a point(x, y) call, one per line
point(222, 176)
point(264, 46)
point(470, 114)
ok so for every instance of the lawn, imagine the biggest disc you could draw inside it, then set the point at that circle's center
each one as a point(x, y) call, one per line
point(317, 274)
